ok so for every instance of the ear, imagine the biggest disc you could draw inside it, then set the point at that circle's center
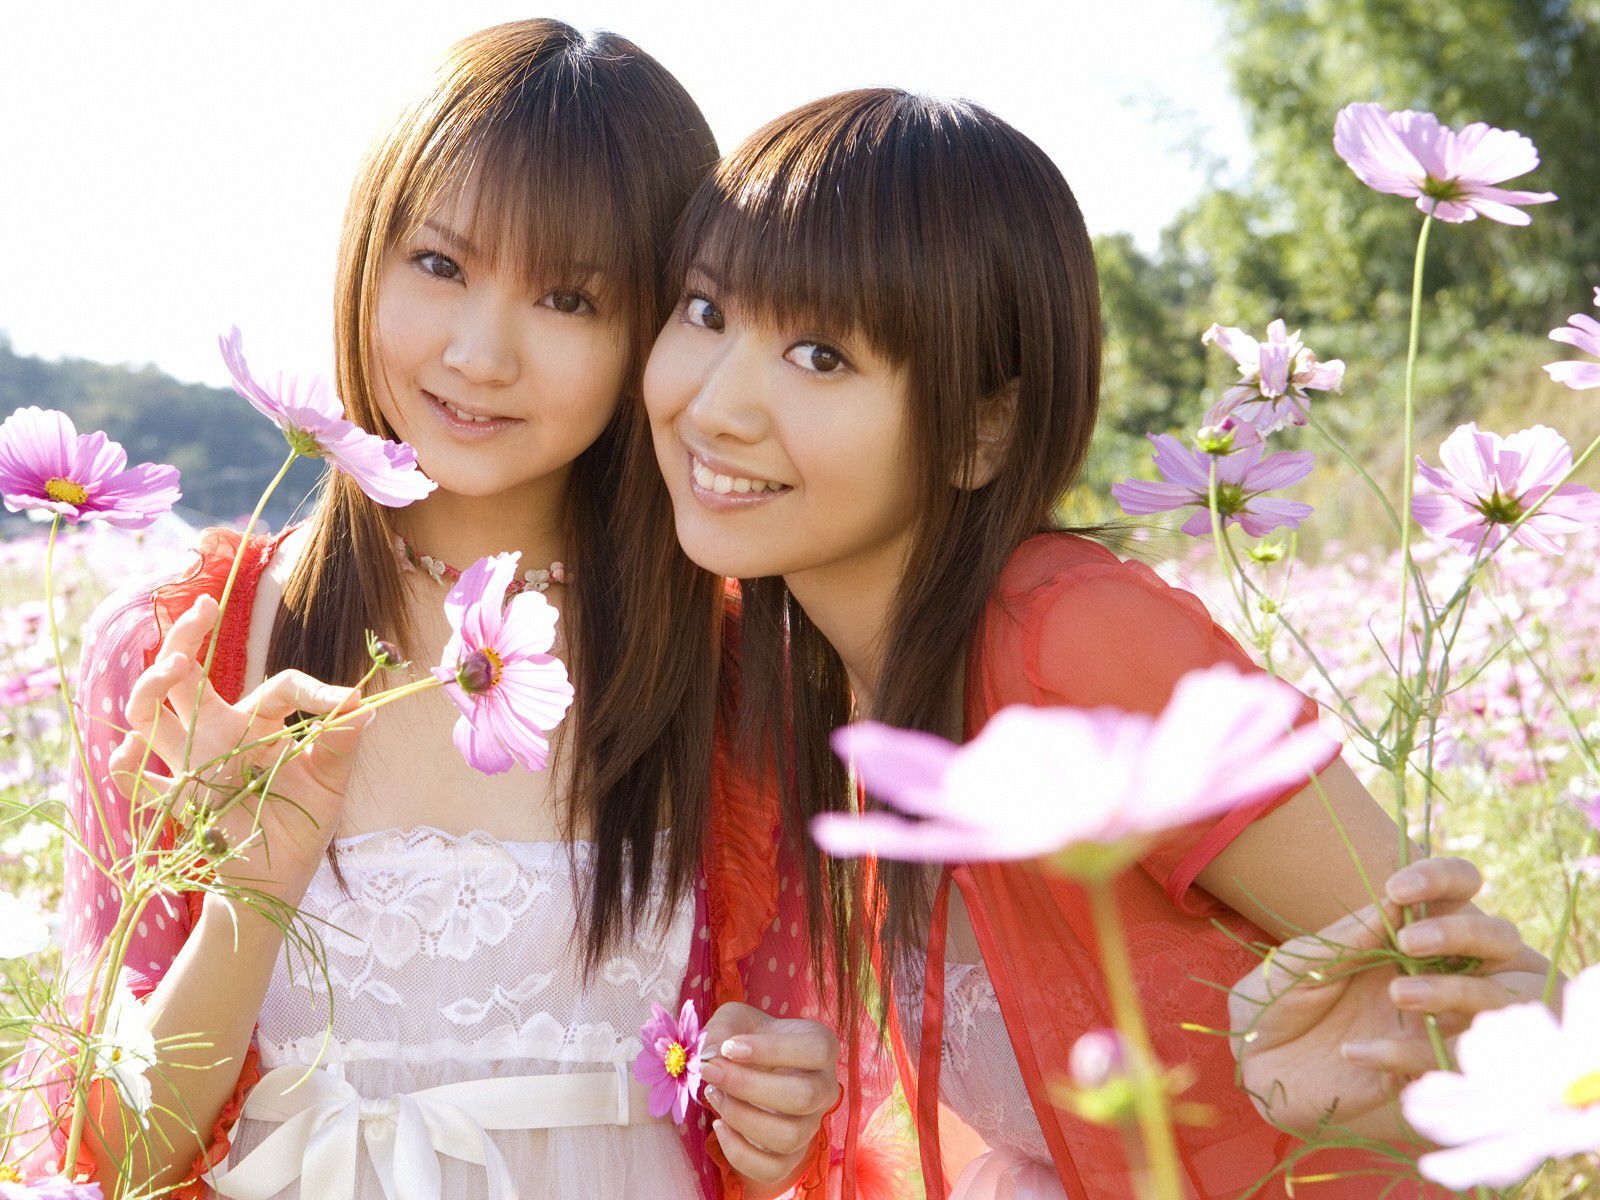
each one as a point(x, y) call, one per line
point(995, 423)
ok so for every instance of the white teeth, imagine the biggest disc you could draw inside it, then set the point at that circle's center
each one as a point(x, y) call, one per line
point(712, 481)
point(462, 414)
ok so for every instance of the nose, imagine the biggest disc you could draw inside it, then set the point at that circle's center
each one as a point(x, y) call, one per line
point(730, 402)
point(482, 344)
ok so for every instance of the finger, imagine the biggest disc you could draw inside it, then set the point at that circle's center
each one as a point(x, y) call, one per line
point(134, 772)
point(1466, 994)
point(804, 1046)
point(1449, 882)
point(1317, 959)
point(332, 756)
point(295, 691)
point(749, 1160)
point(1407, 1058)
point(733, 1018)
point(188, 633)
point(792, 1095)
point(149, 692)
point(763, 1129)
point(1464, 934)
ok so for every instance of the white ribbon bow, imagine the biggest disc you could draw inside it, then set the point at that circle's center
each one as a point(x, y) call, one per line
point(324, 1120)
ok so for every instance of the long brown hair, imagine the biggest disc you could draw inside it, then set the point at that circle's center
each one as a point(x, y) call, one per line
point(581, 149)
point(953, 245)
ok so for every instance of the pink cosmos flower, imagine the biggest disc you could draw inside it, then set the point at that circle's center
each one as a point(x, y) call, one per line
point(1528, 1089)
point(1488, 482)
point(29, 686)
point(313, 422)
point(1452, 174)
point(1582, 331)
point(1274, 377)
point(669, 1064)
point(54, 1188)
point(498, 669)
point(1242, 478)
point(48, 466)
point(1037, 781)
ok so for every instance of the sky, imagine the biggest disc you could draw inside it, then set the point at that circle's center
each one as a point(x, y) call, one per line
point(172, 169)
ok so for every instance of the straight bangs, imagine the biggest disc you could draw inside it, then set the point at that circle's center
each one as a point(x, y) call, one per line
point(847, 216)
point(552, 202)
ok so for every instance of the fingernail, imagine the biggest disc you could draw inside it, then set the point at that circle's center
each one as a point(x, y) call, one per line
point(1409, 991)
point(711, 1071)
point(1356, 1050)
point(1406, 887)
point(717, 1127)
point(735, 1049)
point(713, 1096)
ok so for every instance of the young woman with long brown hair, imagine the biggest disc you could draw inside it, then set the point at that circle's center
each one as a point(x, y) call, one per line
point(493, 944)
point(881, 377)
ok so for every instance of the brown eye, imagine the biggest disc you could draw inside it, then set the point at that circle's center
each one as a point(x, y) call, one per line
point(570, 303)
point(816, 357)
point(698, 310)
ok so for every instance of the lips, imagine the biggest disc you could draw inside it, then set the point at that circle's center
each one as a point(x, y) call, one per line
point(464, 424)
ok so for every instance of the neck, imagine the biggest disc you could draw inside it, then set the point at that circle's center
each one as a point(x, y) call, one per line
point(852, 603)
point(460, 529)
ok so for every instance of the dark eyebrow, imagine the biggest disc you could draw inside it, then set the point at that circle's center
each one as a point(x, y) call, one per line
point(450, 235)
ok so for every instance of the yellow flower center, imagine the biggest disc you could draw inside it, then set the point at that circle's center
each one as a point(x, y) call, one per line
point(64, 491)
point(9, 1174)
point(677, 1060)
point(1583, 1092)
point(497, 666)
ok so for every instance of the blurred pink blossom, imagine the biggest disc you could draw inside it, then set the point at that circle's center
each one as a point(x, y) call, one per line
point(1274, 377)
point(1582, 331)
point(1488, 482)
point(1037, 781)
point(1242, 478)
point(1528, 1090)
point(1451, 173)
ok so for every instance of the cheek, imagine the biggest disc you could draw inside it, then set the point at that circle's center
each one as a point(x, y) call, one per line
point(670, 378)
point(583, 370)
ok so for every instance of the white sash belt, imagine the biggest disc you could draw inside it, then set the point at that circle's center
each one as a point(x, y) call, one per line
point(323, 1120)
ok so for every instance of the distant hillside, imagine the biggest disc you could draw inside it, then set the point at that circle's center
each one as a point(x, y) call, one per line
point(225, 451)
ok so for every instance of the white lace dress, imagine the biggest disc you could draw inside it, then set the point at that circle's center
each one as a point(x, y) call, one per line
point(980, 1081)
point(457, 1000)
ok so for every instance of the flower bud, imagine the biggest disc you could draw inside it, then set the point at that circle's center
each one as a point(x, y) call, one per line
point(385, 656)
point(1097, 1058)
point(1266, 552)
point(215, 842)
point(1216, 439)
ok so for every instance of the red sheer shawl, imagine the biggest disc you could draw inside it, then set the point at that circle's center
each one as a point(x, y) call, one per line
point(1070, 624)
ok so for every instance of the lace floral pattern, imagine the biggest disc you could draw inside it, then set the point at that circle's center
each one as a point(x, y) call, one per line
point(465, 947)
point(978, 1076)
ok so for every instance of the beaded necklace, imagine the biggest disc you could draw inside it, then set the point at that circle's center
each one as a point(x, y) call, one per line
point(538, 579)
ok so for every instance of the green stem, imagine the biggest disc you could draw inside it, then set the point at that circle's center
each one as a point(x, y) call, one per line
point(1568, 911)
point(1406, 472)
point(1150, 1094)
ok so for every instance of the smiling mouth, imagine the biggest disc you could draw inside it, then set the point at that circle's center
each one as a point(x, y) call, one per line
point(716, 482)
point(460, 416)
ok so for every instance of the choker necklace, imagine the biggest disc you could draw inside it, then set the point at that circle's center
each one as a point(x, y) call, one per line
point(537, 580)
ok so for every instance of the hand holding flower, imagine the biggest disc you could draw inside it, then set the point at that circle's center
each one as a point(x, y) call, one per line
point(771, 1084)
point(270, 845)
point(1331, 1024)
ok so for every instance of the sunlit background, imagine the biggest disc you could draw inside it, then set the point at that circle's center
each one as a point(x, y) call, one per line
point(171, 169)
